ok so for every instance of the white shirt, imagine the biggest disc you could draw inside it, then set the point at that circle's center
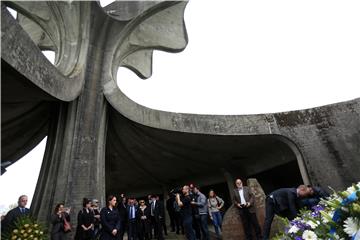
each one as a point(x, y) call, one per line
point(152, 207)
point(242, 198)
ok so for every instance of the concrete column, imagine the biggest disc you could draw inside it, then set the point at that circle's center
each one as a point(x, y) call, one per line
point(166, 197)
point(74, 162)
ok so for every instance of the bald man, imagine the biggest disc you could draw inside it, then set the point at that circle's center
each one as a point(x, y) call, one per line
point(244, 200)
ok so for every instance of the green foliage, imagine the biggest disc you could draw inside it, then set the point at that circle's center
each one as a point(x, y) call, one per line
point(26, 228)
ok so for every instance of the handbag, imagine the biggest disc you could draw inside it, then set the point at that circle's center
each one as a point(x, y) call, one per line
point(67, 226)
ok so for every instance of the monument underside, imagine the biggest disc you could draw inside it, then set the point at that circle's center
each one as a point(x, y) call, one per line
point(101, 141)
point(140, 159)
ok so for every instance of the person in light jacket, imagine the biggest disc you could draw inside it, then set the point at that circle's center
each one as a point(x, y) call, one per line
point(215, 204)
point(202, 205)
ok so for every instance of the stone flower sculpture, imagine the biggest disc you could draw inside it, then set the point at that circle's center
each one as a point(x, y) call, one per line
point(101, 142)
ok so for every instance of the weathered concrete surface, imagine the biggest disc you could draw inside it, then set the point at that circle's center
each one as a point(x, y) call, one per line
point(326, 139)
point(89, 45)
point(88, 130)
point(20, 52)
point(135, 152)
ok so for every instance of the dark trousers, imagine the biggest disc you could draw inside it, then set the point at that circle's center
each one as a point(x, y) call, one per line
point(178, 223)
point(196, 226)
point(249, 219)
point(143, 230)
point(202, 222)
point(172, 220)
point(163, 224)
point(152, 227)
point(189, 231)
point(123, 228)
point(132, 230)
point(269, 216)
point(158, 227)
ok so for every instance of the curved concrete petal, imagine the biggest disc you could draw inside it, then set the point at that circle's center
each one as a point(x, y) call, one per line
point(66, 24)
point(19, 51)
point(140, 62)
point(326, 138)
point(160, 27)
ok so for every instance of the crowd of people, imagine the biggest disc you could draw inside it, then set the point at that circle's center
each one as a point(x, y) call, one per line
point(188, 208)
point(144, 219)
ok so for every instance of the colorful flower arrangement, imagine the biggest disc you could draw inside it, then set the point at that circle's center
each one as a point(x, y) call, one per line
point(335, 218)
point(27, 228)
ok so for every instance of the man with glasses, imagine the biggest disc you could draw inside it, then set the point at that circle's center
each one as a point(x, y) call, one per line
point(8, 223)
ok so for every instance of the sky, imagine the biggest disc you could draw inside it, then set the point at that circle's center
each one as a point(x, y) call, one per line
point(243, 57)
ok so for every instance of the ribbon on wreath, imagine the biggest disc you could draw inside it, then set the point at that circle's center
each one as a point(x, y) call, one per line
point(351, 198)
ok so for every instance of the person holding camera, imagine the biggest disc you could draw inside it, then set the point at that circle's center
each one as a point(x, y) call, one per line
point(60, 220)
point(184, 202)
point(244, 200)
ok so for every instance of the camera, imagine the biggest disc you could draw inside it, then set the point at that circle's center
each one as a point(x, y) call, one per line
point(174, 191)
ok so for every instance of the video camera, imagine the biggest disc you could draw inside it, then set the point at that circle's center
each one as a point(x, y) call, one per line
point(174, 191)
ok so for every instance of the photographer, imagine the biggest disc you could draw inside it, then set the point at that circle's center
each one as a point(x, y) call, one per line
point(184, 202)
point(60, 220)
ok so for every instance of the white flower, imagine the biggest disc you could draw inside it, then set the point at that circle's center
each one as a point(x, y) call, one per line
point(337, 237)
point(293, 229)
point(350, 190)
point(309, 235)
point(311, 224)
point(351, 226)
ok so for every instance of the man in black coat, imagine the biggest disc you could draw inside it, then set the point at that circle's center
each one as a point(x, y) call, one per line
point(285, 203)
point(8, 223)
point(171, 210)
point(122, 208)
point(157, 215)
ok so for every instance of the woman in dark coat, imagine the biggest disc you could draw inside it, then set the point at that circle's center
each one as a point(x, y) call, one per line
point(110, 220)
point(57, 221)
point(85, 222)
point(143, 216)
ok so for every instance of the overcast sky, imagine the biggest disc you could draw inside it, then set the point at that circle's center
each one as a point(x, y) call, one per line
point(243, 57)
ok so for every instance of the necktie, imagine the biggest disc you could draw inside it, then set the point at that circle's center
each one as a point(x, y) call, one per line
point(152, 208)
point(131, 212)
point(22, 210)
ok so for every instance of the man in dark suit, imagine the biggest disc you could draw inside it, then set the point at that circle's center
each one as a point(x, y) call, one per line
point(244, 201)
point(8, 223)
point(157, 215)
point(132, 222)
point(285, 203)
